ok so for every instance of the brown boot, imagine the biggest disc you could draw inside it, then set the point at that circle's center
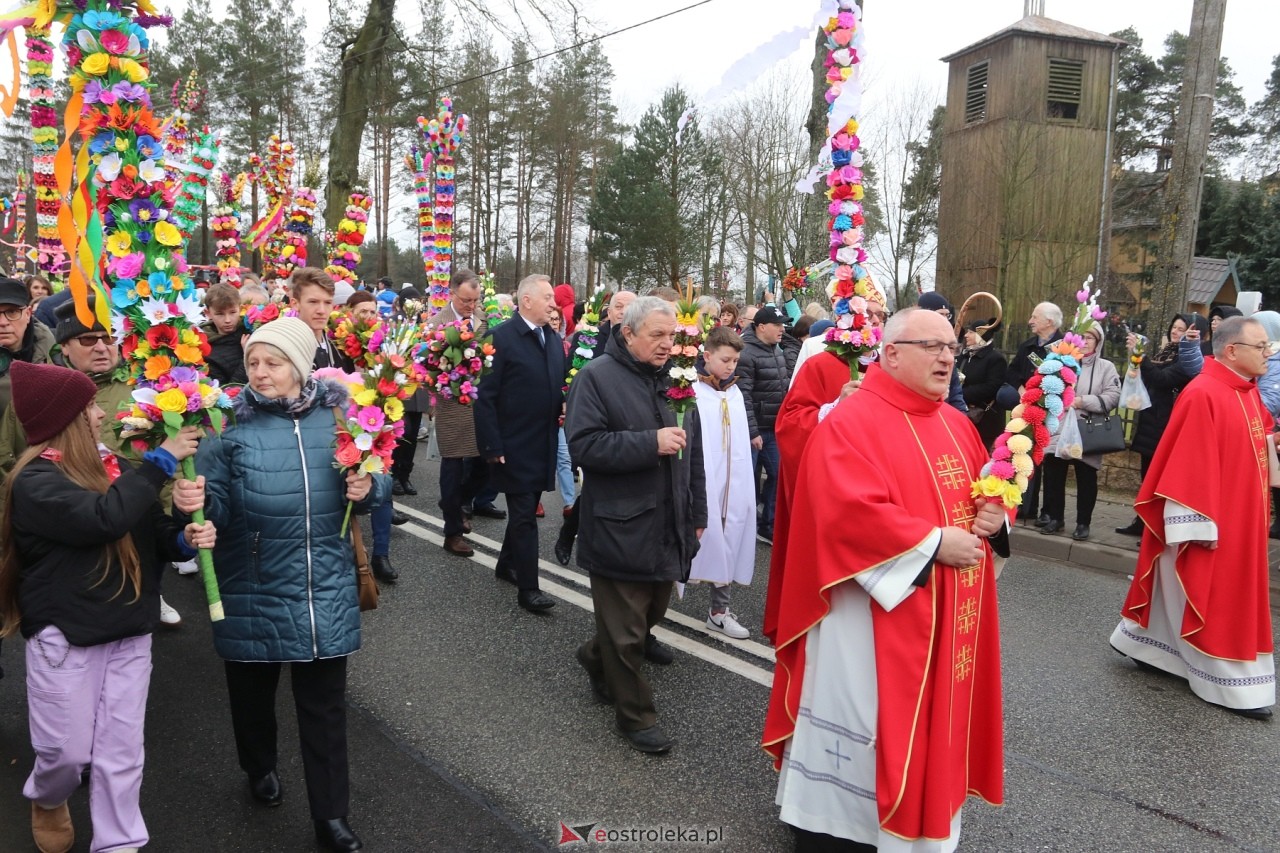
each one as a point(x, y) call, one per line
point(457, 545)
point(52, 829)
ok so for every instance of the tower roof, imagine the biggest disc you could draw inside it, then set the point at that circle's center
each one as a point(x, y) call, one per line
point(1038, 25)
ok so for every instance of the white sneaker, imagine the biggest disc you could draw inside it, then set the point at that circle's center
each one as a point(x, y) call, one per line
point(726, 624)
point(424, 433)
point(187, 567)
point(169, 616)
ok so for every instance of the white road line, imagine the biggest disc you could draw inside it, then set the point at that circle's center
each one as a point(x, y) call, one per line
point(749, 671)
point(759, 650)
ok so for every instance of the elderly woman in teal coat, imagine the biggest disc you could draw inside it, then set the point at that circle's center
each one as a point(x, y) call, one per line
point(286, 573)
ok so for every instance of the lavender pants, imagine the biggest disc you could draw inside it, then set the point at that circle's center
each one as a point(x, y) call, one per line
point(86, 706)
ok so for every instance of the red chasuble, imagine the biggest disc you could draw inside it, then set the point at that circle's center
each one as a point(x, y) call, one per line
point(1213, 459)
point(893, 466)
point(819, 382)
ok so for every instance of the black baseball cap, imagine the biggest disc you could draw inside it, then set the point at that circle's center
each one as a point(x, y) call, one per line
point(14, 292)
point(767, 315)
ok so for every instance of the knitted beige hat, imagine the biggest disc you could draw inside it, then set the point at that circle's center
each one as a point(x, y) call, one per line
point(292, 337)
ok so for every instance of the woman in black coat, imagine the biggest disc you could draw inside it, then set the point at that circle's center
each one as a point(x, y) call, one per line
point(982, 369)
point(1165, 374)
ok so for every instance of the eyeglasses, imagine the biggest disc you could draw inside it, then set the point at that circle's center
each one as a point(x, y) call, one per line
point(90, 341)
point(933, 347)
point(13, 315)
point(1265, 347)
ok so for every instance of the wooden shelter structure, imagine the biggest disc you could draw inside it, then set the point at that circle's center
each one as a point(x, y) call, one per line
point(1023, 211)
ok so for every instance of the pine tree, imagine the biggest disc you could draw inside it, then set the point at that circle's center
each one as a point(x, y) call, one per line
point(650, 209)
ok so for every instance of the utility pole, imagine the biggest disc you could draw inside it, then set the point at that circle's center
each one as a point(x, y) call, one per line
point(1181, 210)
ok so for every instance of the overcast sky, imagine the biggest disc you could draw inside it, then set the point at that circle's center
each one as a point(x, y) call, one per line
point(905, 38)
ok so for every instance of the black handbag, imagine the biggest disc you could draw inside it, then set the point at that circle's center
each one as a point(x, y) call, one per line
point(1101, 433)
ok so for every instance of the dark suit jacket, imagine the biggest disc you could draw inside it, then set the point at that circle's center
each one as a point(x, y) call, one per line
point(518, 409)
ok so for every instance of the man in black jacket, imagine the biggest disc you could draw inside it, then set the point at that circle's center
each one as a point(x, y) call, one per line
point(763, 379)
point(643, 506)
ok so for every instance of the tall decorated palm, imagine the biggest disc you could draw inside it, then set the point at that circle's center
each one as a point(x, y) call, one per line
point(116, 224)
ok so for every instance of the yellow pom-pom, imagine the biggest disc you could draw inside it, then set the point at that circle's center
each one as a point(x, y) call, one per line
point(1019, 444)
point(1015, 425)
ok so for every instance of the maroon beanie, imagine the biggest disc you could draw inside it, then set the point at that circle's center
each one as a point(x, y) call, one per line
point(46, 398)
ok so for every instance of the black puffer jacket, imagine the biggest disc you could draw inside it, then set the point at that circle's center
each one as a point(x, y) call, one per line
point(226, 357)
point(639, 511)
point(763, 379)
point(61, 529)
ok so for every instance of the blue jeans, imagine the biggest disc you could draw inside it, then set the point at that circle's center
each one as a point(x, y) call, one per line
point(380, 521)
point(564, 471)
point(768, 459)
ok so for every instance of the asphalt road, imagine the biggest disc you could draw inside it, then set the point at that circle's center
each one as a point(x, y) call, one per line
point(472, 728)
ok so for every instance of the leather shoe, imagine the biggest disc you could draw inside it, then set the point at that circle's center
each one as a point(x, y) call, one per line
point(1043, 519)
point(336, 834)
point(397, 488)
point(489, 512)
point(540, 512)
point(568, 511)
point(655, 652)
point(51, 829)
point(1081, 532)
point(382, 568)
point(1133, 528)
point(267, 789)
point(564, 549)
point(1051, 526)
point(458, 545)
point(1252, 713)
point(466, 523)
point(398, 518)
point(535, 601)
point(651, 740)
point(506, 574)
point(599, 688)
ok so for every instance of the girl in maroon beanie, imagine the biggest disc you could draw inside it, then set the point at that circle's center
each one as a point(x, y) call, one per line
point(85, 539)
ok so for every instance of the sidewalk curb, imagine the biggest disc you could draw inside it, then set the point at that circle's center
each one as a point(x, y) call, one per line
point(1064, 549)
point(1027, 541)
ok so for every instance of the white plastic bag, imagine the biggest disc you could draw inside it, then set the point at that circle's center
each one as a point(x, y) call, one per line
point(1069, 443)
point(433, 449)
point(1133, 391)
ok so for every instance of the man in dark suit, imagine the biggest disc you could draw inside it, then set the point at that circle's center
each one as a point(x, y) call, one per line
point(517, 417)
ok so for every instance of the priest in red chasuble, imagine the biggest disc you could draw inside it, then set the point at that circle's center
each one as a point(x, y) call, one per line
point(1199, 604)
point(885, 712)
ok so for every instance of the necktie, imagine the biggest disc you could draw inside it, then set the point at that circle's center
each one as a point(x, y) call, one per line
point(542, 337)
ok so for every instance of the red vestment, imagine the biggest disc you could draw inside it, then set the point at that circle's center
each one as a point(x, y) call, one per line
point(1213, 460)
point(894, 466)
point(818, 382)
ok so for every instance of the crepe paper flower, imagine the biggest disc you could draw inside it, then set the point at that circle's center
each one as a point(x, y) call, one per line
point(451, 374)
point(374, 418)
point(1036, 419)
point(167, 235)
point(191, 309)
point(150, 172)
